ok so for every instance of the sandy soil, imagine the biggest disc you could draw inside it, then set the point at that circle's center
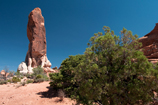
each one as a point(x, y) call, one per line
point(31, 94)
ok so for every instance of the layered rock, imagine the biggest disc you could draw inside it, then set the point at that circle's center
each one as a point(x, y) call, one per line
point(36, 34)
point(150, 45)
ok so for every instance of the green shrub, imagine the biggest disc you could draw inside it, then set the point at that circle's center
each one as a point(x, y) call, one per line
point(3, 82)
point(9, 80)
point(29, 81)
point(65, 78)
point(18, 74)
point(27, 75)
point(45, 77)
point(38, 70)
point(39, 76)
point(15, 79)
point(39, 80)
point(111, 71)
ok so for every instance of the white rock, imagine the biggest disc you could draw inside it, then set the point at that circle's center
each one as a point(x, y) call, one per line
point(24, 79)
point(30, 71)
point(22, 68)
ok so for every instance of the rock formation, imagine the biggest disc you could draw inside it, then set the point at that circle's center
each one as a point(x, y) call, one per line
point(36, 34)
point(23, 68)
point(150, 45)
point(4, 73)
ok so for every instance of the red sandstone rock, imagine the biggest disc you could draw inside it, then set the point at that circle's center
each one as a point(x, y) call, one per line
point(36, 34)
point(4, 73)
point(55, 67)
point(150, 45)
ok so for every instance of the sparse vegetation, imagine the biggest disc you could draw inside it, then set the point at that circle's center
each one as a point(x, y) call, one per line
point(38, 70)
point(3, 82)
point(15, 79)
point(9, 80)
point(39, 80)
point(29, 81)
point(39, 76)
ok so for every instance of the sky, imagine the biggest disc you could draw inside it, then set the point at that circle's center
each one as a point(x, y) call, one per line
point(69, 25)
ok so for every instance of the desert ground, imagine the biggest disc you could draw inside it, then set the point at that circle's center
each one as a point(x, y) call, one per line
point(31, 94)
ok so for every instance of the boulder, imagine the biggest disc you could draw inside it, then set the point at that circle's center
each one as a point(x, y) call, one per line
point(150, 45)
point(3, 72)
point(24, 79)
point(22, 68)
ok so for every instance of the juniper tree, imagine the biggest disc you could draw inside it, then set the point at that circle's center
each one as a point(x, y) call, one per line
point(111, 71)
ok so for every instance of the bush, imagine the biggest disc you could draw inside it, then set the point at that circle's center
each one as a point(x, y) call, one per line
point(39, 80)
point(15, 79)
point(45, 77)
point(3, 82)
point(29, 81)
point(111, 71)
point(21, 77)
point(9, 80)
point(64, 79)
point(39, 76)
point(38, 70)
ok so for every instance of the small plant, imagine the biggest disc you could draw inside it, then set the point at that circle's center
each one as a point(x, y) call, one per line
point(28, 75)
point(39, 80)
point(45, 78)
point(29, 81)
point(38, 70)
point(15, 79)
point(39, 76)
point(9, 80)
point(3, 82)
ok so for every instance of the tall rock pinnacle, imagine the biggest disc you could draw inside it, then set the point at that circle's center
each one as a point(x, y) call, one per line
point(36, 34)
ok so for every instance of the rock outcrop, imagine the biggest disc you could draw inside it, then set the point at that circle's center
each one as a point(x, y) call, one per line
point(150, 45)
point(4, 73)
point(36, 34)
point(23, 68)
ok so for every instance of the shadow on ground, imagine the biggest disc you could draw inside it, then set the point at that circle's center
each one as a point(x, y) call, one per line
point(48, 94)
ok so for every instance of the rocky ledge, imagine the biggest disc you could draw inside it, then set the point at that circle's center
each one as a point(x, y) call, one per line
point(150, 45)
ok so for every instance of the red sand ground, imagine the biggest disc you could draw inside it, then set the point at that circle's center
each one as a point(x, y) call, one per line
point(31, 94)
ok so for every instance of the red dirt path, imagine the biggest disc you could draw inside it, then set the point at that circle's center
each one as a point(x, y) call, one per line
point(31, 94)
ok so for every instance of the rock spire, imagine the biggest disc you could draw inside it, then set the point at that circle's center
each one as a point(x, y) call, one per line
point(36, 54)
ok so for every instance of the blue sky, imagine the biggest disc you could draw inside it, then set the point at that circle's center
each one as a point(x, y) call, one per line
point(69, 25)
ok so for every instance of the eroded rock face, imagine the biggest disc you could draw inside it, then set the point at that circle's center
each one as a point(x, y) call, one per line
point(36, 34)
point(150, 45)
